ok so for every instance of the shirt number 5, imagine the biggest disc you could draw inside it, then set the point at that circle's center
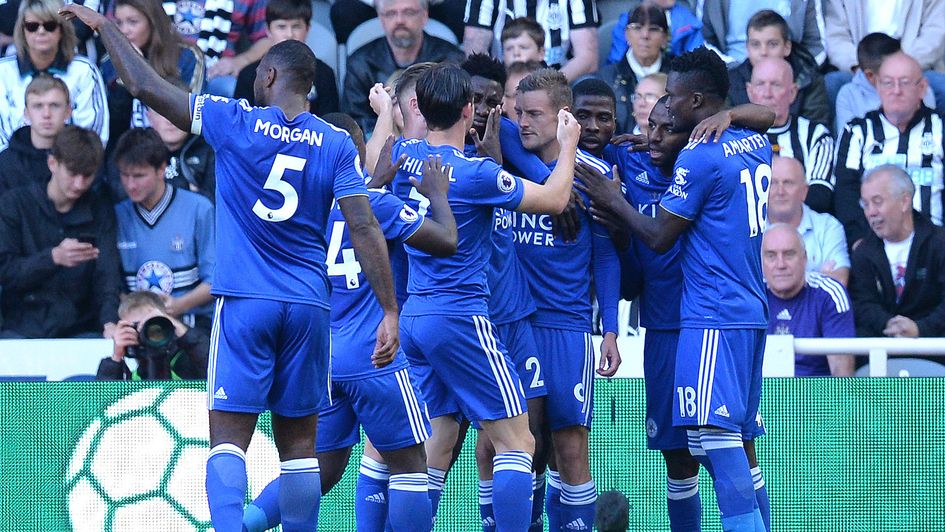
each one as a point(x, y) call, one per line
point(290, 197)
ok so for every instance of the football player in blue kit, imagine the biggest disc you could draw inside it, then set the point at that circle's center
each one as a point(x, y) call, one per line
point(657, 278)
point(558, 273)
point(382, 400)
point(716, 203)
point(510, 301)
point(449, 338)
point(279, 169)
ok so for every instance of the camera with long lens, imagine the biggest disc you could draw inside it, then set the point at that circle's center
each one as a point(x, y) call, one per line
point(156, 345)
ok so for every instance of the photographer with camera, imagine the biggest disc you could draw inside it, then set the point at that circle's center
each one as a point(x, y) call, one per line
point(164, 347)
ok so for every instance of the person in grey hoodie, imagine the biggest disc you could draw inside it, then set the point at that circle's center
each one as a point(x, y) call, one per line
point(859, 96)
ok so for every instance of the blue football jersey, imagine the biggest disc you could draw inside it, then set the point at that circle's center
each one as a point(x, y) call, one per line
point(455, 285)
point(510, 297)
point(355, 312)
point(276, 179)
point(722, 188)
point(644, 185)
point(559, 273)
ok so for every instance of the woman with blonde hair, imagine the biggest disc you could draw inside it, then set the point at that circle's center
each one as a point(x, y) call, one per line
point(45, 44)
point(149, 29)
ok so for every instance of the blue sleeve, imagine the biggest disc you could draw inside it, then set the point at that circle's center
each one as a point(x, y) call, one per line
point(692, 184)
point(497, 187)
point(349, 180)
point(836, 316)
point(618, 40)
point(398, 220)
point(206, 241)
point(217, 118)
point(606, 266)
point(527, 163)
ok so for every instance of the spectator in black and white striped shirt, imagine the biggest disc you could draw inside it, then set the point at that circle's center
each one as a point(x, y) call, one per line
point(570, 29)
point(772, 85)
point(902, 132)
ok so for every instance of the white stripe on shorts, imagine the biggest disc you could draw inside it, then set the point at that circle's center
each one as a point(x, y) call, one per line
point(500, 370)
point(587, 377)
point(710, 348)
point(412, 406)
point(214, 346)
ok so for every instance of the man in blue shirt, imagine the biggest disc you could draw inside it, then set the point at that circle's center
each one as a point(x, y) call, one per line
point(557, 270)
point(448, 336)
point(511, 305)
point(385, 401)
point(278, 171)
point(716, 203)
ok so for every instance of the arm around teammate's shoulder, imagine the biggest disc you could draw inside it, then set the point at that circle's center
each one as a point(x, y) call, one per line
point(553, 196)
point(437, 235)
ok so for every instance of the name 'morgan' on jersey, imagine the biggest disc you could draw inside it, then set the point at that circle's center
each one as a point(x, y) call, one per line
point(723, 190)
point(355, 312)
point(276, 179)
point(455, 285)
point(558, 272)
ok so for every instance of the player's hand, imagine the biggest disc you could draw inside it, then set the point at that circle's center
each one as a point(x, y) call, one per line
point(91, 18)
point(712, 126)
point(380, 99)
point(609, 356)
point(436, 178)
point(632, 141)
point(70, 252)
point(569, 130)
point(388, 340)
point(488, 145)
point(604, 193)
point(385, 170)
point(566, 225)
point(125, 336)
point(225, 66)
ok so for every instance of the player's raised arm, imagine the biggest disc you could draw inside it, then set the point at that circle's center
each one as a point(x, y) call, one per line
point(371, 250)
point(438, 235)
point(139, 78)
point(553, 196)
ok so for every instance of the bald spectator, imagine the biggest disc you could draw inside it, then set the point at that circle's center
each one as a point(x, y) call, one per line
point(919, 24)
point(769, 38)
point(859, 96)
point(904, 133)
point(403, 44)
point(898, 277)
point(772, 85)
point(804, 304)
point(822, 233)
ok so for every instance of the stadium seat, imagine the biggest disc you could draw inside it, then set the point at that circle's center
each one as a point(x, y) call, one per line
point(604, 39)
point(322, 41)
point(370, 30)
point(907, 367)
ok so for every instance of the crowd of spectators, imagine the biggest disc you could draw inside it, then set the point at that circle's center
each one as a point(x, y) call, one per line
point(100, 195)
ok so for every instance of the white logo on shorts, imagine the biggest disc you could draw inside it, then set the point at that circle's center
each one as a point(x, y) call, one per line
point(220, 393)
point(579, 392)
point(651, 428)
point(722, 411)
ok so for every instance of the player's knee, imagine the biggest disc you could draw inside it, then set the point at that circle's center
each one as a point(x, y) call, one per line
point(750, 453)
point(680, 464)
point(484, 449)
point(411, 459)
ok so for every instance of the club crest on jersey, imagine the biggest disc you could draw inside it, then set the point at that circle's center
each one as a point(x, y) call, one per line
point(155, 276)
point(681, 174)
point(177, 244)
point(408, 215)
point(506, 182)
point(928, 146)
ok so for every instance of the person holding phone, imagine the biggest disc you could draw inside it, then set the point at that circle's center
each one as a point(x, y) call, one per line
point(58, 253)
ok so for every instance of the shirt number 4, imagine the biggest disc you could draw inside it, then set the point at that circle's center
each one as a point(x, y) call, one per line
point(756, 194)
